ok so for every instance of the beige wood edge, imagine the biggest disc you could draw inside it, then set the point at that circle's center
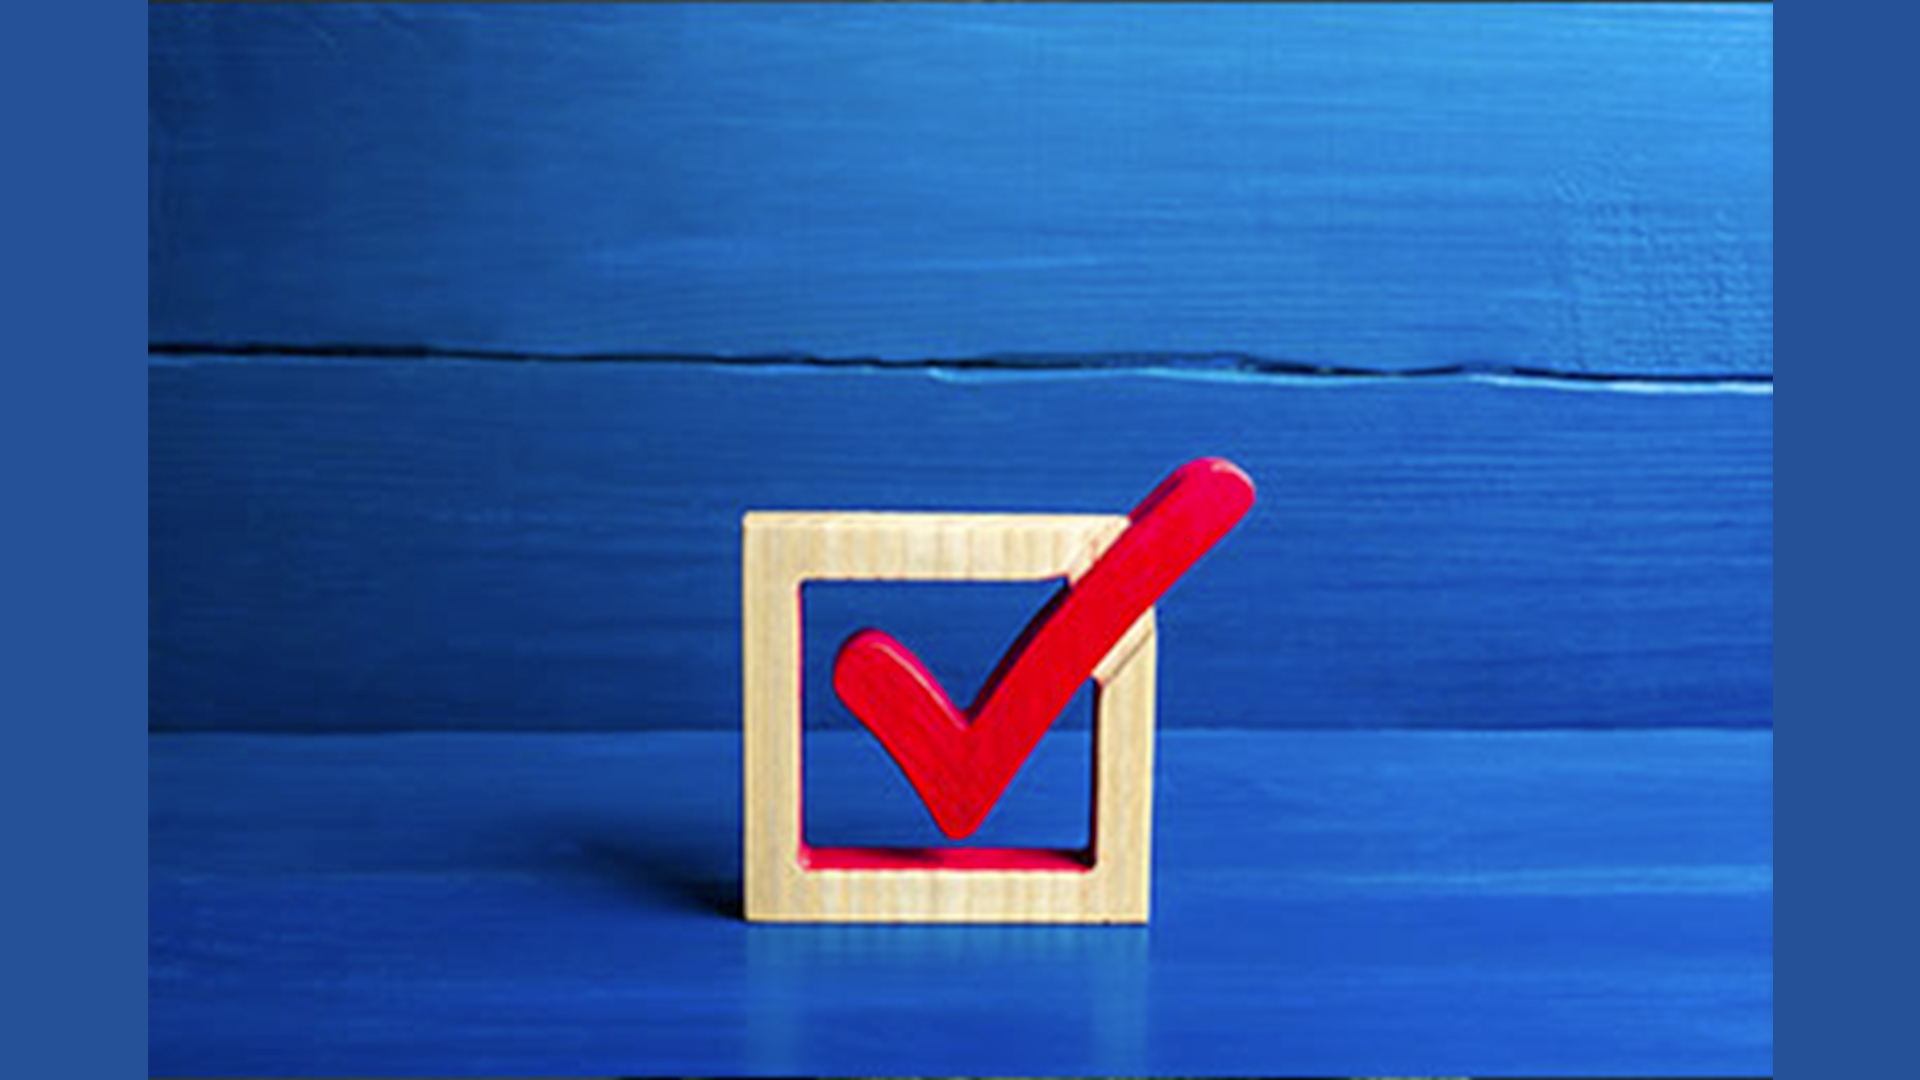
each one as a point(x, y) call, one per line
point(781, 551)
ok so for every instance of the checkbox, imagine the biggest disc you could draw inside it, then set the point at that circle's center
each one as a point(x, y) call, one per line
point(789, 881)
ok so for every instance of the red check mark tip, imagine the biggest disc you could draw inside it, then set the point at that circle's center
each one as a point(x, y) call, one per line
point(961, 761)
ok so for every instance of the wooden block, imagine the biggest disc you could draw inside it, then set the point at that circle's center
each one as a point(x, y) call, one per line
point(789, 881)
point(1099, 626)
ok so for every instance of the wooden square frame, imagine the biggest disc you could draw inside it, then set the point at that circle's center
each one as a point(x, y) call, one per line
point(786, 881)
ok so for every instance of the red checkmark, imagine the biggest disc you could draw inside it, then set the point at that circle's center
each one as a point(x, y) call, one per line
point(961, 761)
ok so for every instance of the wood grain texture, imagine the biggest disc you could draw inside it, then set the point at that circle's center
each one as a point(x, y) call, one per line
point(1327, 904)
point(1581, 187)
point(790, 880)
point(375, 545)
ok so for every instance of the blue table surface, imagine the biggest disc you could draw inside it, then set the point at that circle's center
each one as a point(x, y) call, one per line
point(1331, 903)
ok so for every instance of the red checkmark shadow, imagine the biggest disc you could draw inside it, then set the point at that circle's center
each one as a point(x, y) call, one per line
point(961, 761)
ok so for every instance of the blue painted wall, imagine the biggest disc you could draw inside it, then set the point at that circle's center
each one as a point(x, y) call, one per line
point(422, 542)
point(1575, 187)
point(438, 544)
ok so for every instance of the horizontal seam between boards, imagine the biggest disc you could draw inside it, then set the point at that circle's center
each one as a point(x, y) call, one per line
point(1224, 362)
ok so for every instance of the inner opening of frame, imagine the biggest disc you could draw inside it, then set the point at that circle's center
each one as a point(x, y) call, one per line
point(858, 810)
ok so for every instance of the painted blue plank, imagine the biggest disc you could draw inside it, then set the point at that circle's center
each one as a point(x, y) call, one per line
point(369, 545)
point(1578, 187)
point(1331, 904)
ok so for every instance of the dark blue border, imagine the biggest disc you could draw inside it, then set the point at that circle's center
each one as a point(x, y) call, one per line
point(1848, 541)
point(73, 431)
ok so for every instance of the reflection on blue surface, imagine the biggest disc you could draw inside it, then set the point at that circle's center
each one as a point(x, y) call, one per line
point(945, 979)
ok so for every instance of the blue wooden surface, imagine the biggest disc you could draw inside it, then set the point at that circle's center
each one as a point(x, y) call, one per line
point(1579, 188)
point(1327, 903)
point(359, 545)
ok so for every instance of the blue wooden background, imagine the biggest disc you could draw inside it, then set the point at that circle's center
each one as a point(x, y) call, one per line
point(1152, 206)
point(1579, 187)
point(475, 328)
point(372, 545)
